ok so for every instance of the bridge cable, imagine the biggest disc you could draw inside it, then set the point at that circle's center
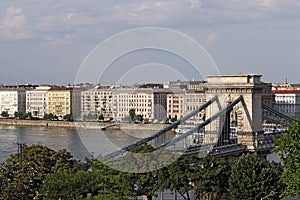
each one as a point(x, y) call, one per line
point(203, 124)
point(269, 119)
point(278, 113)
point(163, 131)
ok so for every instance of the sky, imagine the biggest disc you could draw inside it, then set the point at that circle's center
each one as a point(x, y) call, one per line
point(49, 42)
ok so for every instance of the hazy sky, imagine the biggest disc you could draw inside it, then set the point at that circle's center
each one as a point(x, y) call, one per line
point(47, 41)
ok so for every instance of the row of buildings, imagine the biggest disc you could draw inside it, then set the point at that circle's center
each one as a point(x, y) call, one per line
point(154, 102)
point(39, 100)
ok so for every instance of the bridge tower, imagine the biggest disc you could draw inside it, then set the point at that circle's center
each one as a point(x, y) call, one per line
point(246, 115)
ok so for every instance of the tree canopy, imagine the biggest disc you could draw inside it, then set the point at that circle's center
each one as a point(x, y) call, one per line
point(22, 174)
point(253, 178)
point(288, 148)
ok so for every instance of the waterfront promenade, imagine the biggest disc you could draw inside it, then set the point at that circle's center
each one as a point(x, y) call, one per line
point(69, 124)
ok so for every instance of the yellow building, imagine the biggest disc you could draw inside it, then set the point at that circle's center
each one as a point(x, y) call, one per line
point(59, 101)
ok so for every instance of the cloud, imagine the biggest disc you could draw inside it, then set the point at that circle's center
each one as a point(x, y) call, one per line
point(14, 24)
point(149, 12)
point(211, 37)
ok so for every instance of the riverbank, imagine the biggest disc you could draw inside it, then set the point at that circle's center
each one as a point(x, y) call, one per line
point(87, 125)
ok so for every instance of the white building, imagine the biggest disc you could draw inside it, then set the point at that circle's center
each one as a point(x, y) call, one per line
point(12, 100)
point(287, 99)
point(36, 101)
point(139, 99)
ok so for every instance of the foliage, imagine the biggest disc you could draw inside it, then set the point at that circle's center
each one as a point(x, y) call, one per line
point(132, 114)
point(288, 148)
point(69, 185)
point(179, 177)
point(254, 178)
point(68, 117)
point(4, 114)
point(174, 119)
point(101, 117)
point(23, 115)
point(210, 177)
point(139, 118)
point(50, 116)
point(112, 184)
point(21, 175)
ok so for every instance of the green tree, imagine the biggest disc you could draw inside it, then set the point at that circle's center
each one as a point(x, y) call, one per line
point(69, 185)
point(21, 115)
point(174, 119)
point(288, 148)
point(4, 114)
point(139, 118)
point(101, 118)
point(179, 177)
point(132, 114)
point(68, 117)
point(254, 178)
point(21, 175)
point(111, 183)
point(210, 177)
point(50, 116)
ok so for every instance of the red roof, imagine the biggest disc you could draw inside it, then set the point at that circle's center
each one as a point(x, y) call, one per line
point(286, 91)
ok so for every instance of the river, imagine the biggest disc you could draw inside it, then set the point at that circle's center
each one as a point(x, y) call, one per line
point(80, 142)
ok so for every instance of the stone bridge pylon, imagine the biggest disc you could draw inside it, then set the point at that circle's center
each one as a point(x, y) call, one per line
point(246, 116)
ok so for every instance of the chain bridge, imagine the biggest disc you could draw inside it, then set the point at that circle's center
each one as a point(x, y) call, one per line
point(239, 118)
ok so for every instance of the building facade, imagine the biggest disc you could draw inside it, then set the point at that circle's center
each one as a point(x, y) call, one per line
point(182, 102)
point(139, 99)
point(12, 100)
point(287, 99)
point(97, 102)
point(175, 104)
point(194, 100)
point(62, 101)
point(36, 101)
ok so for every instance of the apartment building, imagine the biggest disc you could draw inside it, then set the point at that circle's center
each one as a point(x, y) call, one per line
point(140, 99)
point(175, 104)
point(97, 101)
point(183, 102)
point(63, 100)
point(36, 102)
point(12, 100)
point(194, 99)
point(287, 99)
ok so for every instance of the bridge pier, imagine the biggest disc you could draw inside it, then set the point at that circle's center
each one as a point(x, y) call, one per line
point(247, 114)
